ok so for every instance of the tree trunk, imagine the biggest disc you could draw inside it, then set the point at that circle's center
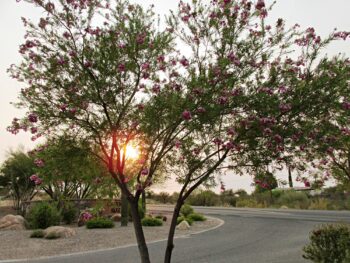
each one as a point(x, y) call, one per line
point(124, 210)
point(170, 244)
point(140, 237)
point(143, 200)
point(290, 179)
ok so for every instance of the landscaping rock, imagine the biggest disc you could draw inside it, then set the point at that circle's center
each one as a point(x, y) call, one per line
point(183, 226)
point(116, 217)
point(60, 231)
point(12, 222)
point(284, 207)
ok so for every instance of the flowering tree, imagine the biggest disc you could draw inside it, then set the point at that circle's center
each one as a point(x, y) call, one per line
point(233, 101)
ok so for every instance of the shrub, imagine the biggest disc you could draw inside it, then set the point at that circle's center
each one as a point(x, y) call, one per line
point(294, 199)
point(196, 217)
point(182, 218)
point(39, 233)
point(163, 218)
point(99, 222)
point(43, 215)
point(204, 198)
point(320, 204)
point(186, 210)
point(329, 243)
point(151, 221)
point(246, 203)
point(52, 235)
point(69, 213)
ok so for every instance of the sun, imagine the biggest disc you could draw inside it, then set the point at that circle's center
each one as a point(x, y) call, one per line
point(132, 152)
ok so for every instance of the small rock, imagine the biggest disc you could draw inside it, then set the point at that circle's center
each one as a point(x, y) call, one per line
point(61, 231)
point(116, 217)
point(183, 226)
point(12, 222)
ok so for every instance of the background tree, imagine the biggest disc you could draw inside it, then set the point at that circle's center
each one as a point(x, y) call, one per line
point(69, 170)
point(16, 175)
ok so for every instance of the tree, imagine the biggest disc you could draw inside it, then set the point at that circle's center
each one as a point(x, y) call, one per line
point(69, 170)
point(234, 103)
point(16, 176)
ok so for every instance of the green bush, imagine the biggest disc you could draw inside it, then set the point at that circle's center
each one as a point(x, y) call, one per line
point(329, 243)
point(186, 210)
point(182, 218)
point(52, 235)
point(43, 215)
point(196, 217)
point(151, 221)
point(294, 199)
point(69, 213)
point(39, 233)
point(99, 222)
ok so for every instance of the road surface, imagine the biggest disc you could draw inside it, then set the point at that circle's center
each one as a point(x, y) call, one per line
point(248, 236)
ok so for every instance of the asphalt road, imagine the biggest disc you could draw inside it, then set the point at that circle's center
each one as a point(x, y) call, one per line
point(248, 236)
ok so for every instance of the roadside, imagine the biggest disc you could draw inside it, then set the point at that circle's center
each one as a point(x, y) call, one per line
point(18, 245)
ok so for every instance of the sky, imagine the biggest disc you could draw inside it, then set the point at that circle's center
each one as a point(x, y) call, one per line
point(323, 15)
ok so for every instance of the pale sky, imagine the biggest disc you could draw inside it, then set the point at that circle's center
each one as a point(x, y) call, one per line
point(323, 15)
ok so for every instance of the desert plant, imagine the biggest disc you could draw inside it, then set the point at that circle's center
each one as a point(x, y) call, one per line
point(182, 218)
point(43, 215)
point(329, 243)
point(186, 210)
point(245, 202)
point(196, 217)
point(151, 221)
point(99, 222)
point(294, 199)
point(69, 212)
point(39, 233)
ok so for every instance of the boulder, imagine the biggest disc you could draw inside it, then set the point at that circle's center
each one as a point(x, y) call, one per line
point(116, 217)
point(60, 231)
point(12, 222)
point(183, 226)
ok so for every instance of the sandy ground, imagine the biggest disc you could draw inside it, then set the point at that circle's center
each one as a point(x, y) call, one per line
point(18, 245)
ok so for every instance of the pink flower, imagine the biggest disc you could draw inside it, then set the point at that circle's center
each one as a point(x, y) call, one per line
point(39, 162)
point(33, 117)
point(145, 66)
point(285, 107)
point(144, 171)
point(346, 105)
point(187, 115)
point(33, 177)
point(184, 62)
point(38, 181)
point(217, 141)
point(278, 138)
point(121, 68)
point(87, 64)
point(177, 144)
point(260, 5)
point(33, 130)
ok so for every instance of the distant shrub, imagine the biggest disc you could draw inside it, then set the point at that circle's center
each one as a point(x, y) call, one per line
point(320, 204)
point(151, 221)
point(99, 222)
point(329, 243)
point(182, 218)
point(186, 210)
point(294, 199)
point(52, 235)
point(196, 217)
point(43, 215)
point(39, 233)
point(204, 198)
point(163, 218)
point(246, 203)
point(69, 213)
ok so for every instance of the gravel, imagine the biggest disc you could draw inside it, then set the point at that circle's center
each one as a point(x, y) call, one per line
point(18, 245)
